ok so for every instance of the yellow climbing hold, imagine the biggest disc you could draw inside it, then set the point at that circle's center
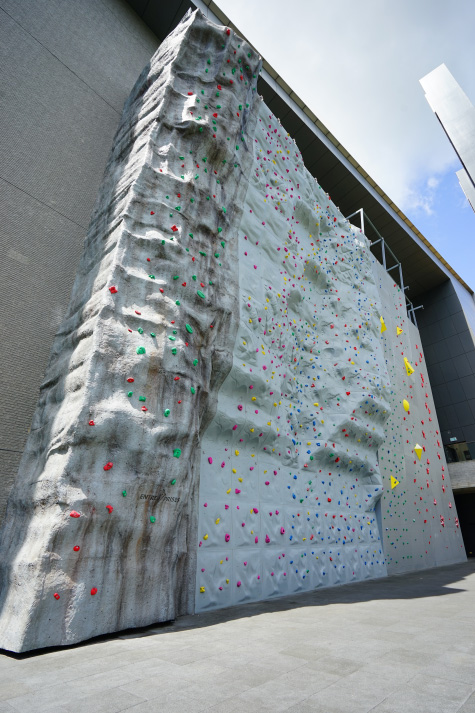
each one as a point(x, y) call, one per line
point(418, 450)
point(409, 368)
point(398, 331)
point(217, 520)
point(383, 326)
point(205, 537)
point(394, 482)
point(405, 403)
point(236, 452)
point(202, 590)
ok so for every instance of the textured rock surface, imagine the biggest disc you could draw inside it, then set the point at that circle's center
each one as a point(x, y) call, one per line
point(163, 237)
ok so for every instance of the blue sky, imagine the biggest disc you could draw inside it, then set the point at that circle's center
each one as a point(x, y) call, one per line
point(357, 65)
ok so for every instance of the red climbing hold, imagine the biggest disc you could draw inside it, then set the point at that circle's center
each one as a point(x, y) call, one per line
point(108, 466)
point(174, 228)
point(94, 591)
point(91, 423)
point(109, 508)
point(56, 595)
point(228, 31)
point(130, 380)
point(113, 289)
point(73, 513)
point(76, 548)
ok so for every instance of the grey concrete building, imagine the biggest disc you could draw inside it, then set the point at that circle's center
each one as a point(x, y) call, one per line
point(456, 115)
point(67, 69)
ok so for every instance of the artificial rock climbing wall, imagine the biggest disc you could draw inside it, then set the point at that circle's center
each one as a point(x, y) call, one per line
point(420, 527)
point(289, 478)
point(100, 527)
point(209, 425)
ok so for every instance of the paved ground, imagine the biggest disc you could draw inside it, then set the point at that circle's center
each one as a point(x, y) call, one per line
point(400, 645)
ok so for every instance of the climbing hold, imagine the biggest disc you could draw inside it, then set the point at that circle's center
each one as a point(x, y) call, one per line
point(140, 350)
point(94, 591)
point(91, 423)
point(166, 412)
point(398, 331)
point(383, 326)
point(405, 403)
point(124, 493)
point(418, 450)
point(73, 513)
point(152, 518)
point(394, 482)
point(56, 595)
point(76, 548)
point(227, 537)
point(109, 508)
point(113, 290)
point(409, 368)
point(188, 328)
point(200, 294)
point(176, 452)
point(108, 466)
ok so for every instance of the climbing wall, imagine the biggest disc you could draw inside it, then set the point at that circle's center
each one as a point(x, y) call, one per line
point(100, 528)
point(222, 418)
point(290, 468)
point(289, 475)
point(419, 521)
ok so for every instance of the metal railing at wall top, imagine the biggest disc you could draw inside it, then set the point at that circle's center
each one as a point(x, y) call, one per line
point(386, 253)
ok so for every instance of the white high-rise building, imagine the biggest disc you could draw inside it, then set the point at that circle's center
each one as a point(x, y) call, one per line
point(456, 114)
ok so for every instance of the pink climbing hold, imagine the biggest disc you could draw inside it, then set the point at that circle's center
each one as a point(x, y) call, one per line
point(227, 537)
point(238, 584)
point(267, 538)
point(237, 491)
point(210, 460)
point(240, 407)
point(256, 539)
point(282, 530)
point(223, 464)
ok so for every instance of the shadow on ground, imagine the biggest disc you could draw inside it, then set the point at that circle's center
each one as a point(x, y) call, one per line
point(435, 582)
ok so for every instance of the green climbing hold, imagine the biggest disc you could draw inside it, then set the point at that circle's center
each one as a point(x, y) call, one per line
point(192, 389)
point(140, 350)
point(178, 303)
point(193, 277)
point(216, 254)
point(200, 294)
point(166, 413)
point(142, 398)
point(174, 350)
point(130, 393)
point(152, 334)
point(172, 339)
point(152, 277)
point(188, 328)
point(176, 277)
point(220, 230)
point(152, 518)
point(140, 330)
point(176, 452)
point(195, 362)
point(173, 481)
point(124, 493)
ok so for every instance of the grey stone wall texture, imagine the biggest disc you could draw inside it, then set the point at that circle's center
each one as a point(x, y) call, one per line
point(235, 405)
